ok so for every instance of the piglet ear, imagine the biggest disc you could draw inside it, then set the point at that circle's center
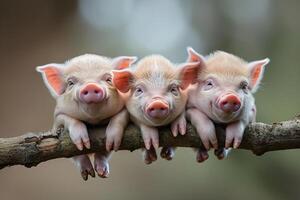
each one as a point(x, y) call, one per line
point(193, 56)
point(123, 62)
point(188, 74)
point(256, 72)
point(52, 75)
point(122, 80)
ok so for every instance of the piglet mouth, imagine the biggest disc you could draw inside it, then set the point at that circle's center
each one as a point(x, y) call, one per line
point(92, 93)
point(157, 109)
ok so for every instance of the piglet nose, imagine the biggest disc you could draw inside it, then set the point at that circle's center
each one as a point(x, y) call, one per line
point(91, 93)
point(158, 109)
point(230, 103)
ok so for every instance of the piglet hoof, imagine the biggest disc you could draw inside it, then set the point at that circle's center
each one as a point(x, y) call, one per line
point(113, 138)
point(219, 153)
point(167, 153)
point(86, 172)
point(85, 166)
point(79, 136)
point(149, 156)
point(222, 153)
point(101, 166)
point(179, 126)
point(202, 156)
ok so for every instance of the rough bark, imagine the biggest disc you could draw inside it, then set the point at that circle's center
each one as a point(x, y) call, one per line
point(33, 148)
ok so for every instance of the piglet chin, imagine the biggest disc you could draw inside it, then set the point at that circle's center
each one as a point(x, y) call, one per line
point(218, 115)
point(157, 109)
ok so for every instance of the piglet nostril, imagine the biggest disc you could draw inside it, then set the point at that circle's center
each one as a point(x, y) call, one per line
point(237, 107)
point(85, 92)
point(224, 103)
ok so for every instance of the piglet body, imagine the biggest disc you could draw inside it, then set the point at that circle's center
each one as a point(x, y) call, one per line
point(156, 96)
point(84, 94)
point(224, 95)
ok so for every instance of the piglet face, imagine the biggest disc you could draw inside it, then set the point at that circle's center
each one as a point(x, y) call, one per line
point(225, 85)
point(224, 98)
point(83, 86)
point(90, 90)
point(157, 104)
point(157, 89)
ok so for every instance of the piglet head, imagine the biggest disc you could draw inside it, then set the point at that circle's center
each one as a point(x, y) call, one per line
point(84, 81)
point(226, 85)
point(157, 88)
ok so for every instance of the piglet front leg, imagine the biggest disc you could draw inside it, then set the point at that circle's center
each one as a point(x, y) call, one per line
point(206, 131)
point(115, 130)
point(178, 126)
point(150, 136)
point(204, 126)
point(77, 130)
point(79, 135)
point(151, 140)
point(234, 134)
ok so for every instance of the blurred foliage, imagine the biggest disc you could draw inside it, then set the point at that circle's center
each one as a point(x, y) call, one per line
point(36, 32)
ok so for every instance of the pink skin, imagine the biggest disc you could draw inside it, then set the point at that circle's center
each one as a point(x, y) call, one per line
point(229, 103)
point(92, 93)
point(157, 109)
point(84, 94)
point(223, 95)
point(157, 95)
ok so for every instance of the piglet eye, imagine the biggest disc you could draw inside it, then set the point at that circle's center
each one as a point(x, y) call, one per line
point(208, 84)
point(174, 90)
point(244, 85)
point(138, 91)
point(71, 81)
point(109, 80)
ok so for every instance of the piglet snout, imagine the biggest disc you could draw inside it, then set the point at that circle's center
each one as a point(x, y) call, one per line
point(229, 103)
point(157, 109)
point(91, 93)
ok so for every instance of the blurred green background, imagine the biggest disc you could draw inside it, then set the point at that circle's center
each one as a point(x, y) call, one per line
point(36, 32)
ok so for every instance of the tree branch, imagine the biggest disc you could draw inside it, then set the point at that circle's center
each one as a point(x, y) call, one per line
point(33, 148)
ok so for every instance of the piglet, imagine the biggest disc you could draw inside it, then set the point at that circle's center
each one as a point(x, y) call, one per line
point(223, 95)
point(84, 94)
point(156, 96)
